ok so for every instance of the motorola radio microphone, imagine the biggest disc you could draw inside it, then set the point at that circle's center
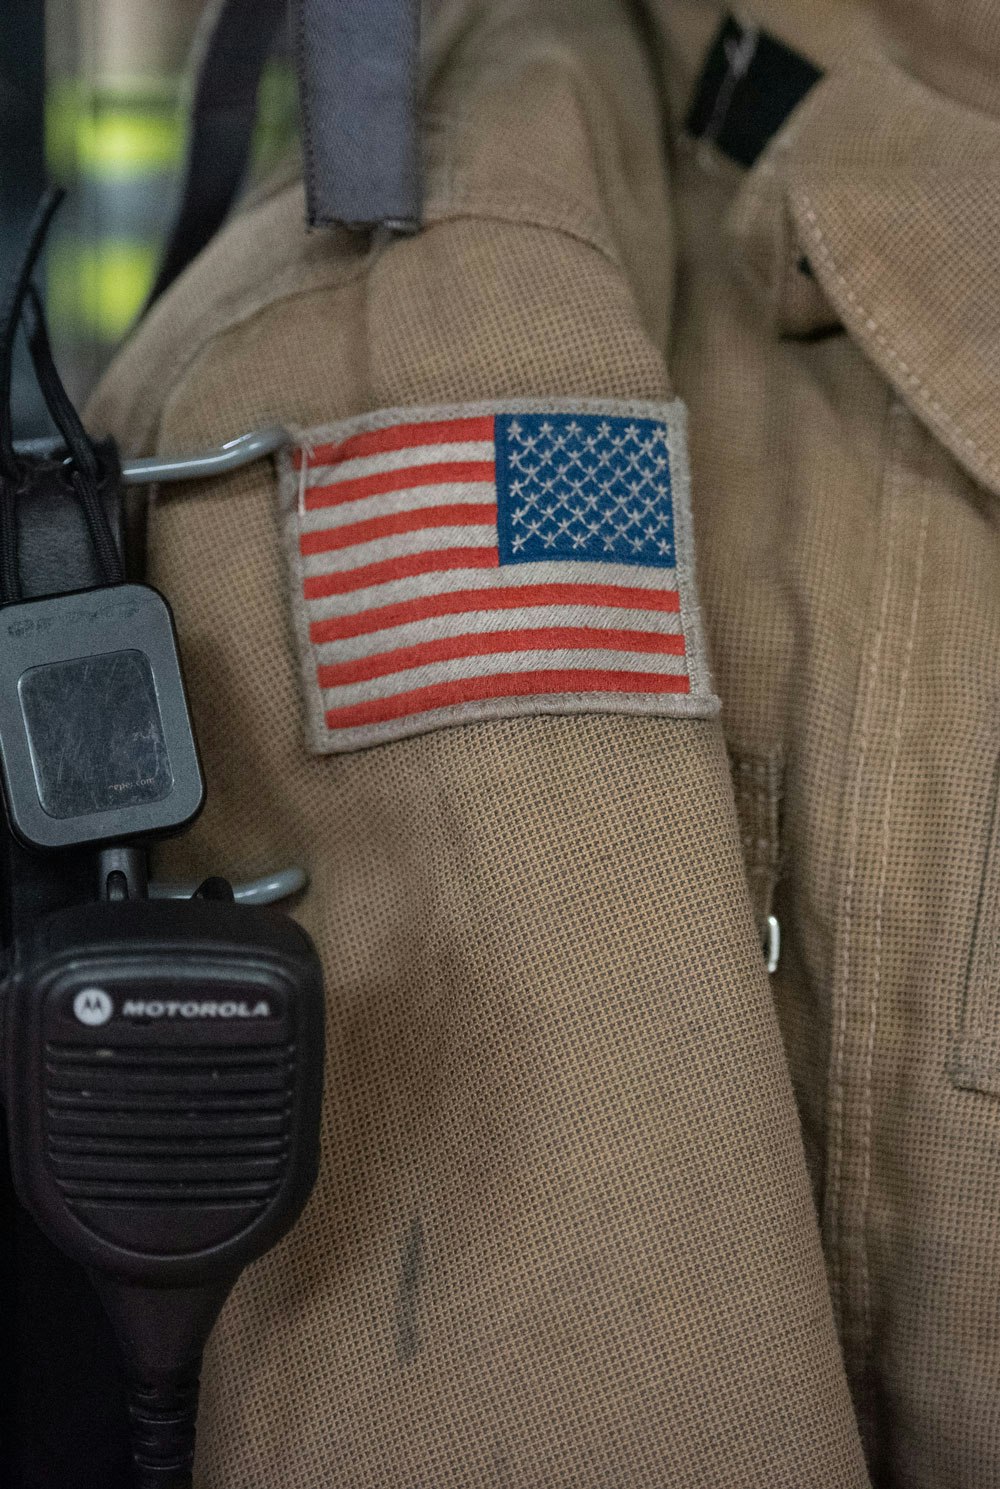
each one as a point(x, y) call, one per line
point(163, 1079)
point(162, 1060)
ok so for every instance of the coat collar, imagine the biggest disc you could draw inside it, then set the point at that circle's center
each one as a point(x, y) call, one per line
point(878, 207)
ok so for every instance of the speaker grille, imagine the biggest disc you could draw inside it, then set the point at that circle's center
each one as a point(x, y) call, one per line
point(200, 1125)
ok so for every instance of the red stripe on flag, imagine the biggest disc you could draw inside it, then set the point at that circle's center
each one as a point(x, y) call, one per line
point(398, 437)
point(493, 643)
point(504, 685)
point(446, 472)
point(329, 539)
point(318, 586)
point(462, 601)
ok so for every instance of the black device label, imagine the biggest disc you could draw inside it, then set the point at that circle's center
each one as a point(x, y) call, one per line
point(95, 1006)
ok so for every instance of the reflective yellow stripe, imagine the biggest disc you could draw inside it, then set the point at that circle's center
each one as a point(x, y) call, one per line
point(120, 149)
point(120, 143)
point(111, 133)
point(98, 288)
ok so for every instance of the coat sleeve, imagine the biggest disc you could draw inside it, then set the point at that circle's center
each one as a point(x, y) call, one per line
point(563, 1232)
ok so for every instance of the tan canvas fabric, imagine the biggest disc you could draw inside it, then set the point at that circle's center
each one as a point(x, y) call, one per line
point(855, 475)
point(572, 1222)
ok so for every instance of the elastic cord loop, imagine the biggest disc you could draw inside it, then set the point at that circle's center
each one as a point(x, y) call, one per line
point(9, 318)
point(86, 476)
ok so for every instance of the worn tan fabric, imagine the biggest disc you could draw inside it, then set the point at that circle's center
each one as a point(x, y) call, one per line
point(571, 1223)
point(855, 476)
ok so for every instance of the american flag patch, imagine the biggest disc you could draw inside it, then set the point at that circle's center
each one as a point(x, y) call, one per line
point(453, 565)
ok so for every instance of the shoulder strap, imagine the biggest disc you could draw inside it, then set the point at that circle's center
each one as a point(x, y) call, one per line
point(357, 63)
point(358, 71)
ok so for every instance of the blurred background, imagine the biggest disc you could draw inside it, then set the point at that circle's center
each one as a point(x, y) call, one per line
point(92, 97)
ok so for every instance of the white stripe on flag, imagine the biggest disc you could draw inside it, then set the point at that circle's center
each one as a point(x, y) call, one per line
point(411, 499)
point(510, 576)
point(384, 550)
point(482, 622)
point(392, 460)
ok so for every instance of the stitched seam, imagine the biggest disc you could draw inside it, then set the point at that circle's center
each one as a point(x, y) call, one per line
point(984, 977)
point(883, 874)
point(757, 786)
point(985, 966)
point(306, 98)
point(837, 1093)
point(250, 306)
point(971, 1065)
point(971, 1058)
point(872, 327)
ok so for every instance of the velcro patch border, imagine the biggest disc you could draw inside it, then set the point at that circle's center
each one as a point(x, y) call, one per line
point(448, 562)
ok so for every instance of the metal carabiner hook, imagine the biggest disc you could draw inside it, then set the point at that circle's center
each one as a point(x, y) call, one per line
point(242, 450)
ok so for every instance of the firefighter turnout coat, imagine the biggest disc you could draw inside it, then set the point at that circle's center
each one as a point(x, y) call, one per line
point(633, 576)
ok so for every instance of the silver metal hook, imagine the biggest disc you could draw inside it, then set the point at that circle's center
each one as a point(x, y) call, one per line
point(235, 453)
point(772, 944)
point(279, 885)
point(242, 450)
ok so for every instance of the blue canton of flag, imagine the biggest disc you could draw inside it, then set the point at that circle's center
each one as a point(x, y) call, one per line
point(583, 487)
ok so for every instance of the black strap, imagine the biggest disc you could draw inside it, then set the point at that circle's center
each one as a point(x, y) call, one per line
point(357, 63)
point(64, 1420)
point(231, 50)
point(22, 178)
point(749, 85)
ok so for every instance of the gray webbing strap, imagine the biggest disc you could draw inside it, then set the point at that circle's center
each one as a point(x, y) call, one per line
point(357, 63)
